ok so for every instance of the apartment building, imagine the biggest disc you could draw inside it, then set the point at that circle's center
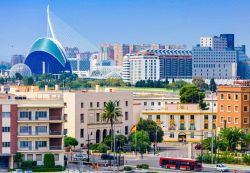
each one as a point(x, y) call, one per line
point(233, 105)
point(182, 122)
point(30, 126)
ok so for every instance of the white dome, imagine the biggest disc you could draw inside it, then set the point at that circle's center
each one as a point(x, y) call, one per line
point(22, 69)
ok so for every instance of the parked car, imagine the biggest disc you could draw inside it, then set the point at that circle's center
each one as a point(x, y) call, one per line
point(28, 171)
point(80, 156)
point(18, 171)
point(221, 168)
point(107, 157)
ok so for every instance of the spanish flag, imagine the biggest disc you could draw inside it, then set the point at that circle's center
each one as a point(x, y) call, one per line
point(133, 129)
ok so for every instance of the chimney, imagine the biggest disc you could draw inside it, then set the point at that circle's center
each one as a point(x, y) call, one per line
point(46, 88)
point(97, 88)
point(56, 87)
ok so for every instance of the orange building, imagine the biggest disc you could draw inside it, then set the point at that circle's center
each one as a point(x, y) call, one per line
point(233, 105)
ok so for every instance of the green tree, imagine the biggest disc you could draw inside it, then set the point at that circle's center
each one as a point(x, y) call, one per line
point(121, 140)
point(19, 159)
point(200, 83)
point(212, 85)
point(111, 113)
point(166, 81)
point(28, 81)
point(49, 160)
point(192, 94)
point(150, 127)
point(141, 142)
point(70, 141)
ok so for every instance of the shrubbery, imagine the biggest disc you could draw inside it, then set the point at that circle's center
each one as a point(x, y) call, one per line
point(246, 159)
point(28, 164)
point(49, 160)
point(99, 148)
point(142, 166)
point(45, 169)
point(127, 168)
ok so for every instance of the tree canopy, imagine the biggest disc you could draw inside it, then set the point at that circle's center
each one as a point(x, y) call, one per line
point(141, 141)
point(70, 141)
point(150, 127)
point(200, 83)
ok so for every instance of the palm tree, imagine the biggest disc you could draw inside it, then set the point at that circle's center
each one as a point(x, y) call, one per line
point(111, 113)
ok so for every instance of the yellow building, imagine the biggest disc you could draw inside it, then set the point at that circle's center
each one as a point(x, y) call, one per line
point(183, 122)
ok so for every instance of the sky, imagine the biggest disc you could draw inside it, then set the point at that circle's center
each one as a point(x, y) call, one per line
point(124, 21)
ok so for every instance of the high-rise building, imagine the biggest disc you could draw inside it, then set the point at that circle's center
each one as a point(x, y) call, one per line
point(71, 52)
point(120, 50)
point(142, 66)
point(33, 127)
point(174, 63)
point(106, 52)
point(17, 59)
point(214, 59)
point(157, 46)
point(233, 105)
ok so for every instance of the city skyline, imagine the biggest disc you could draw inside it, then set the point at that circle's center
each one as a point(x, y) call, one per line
point(174, 22)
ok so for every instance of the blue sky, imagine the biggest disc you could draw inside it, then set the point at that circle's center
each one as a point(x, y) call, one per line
point(127, 21)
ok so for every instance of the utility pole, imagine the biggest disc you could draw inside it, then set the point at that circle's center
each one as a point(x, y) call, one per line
point(212, 141)
point(88, 140)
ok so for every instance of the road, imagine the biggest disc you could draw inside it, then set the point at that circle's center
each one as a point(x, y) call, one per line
point(174, 151)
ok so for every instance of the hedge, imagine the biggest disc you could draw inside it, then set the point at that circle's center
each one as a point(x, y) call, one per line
point(45, 169)
point(49, 160)
point(142, 166)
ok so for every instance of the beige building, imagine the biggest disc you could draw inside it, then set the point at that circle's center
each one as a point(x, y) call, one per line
point(82, 111)
point(31, 126)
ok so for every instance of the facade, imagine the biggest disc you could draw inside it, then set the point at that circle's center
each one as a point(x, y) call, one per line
point(174, 63)
point(47, 56)
point(233, 105)
point(142, 66)
point(71, 52)
point(30, 126)
point(120, 50)
point(16, 59)
point(106, 52)
point(181, 122)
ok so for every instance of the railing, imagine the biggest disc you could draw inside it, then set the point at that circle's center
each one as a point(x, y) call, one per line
point(192, 128)
point(55, 117)
point(29, 148)
point(31, 133)
point(52, 132)
point(55, 147)
point(182, 128)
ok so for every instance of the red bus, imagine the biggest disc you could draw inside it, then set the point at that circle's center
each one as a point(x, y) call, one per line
point(180, 163)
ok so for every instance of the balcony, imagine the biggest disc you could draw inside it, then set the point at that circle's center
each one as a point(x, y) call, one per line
point(55, 132)
point(38, 133)
point(192, 128)
point(182, 128)
point(48, 118)
point(55, 118)
point(55, 148)
point(182, 121)
point(192, 121)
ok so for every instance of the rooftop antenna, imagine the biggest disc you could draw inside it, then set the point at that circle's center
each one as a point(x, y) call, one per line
point(50, 31)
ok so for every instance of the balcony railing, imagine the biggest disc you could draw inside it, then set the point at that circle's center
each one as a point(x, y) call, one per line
point(53, 132)
point(40, 118)
point(55, 117)
point(182, 128)
point(55, 147)
point(192, 128)
point(171, 128)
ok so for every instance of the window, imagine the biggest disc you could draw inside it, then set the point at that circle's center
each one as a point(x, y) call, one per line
point(229, 119)
point(222, 96)
point(81, 133)
point(158, 117)
point(192, 117)
point(229, 96)
point(126, 103)
point(236, 120)
point(5, 129)
point(82, 105)
point(30, 157)
point(228, 108)
point(97, 117)
point(126, 130)
point(82, 118)
point(245, 97)
point(97, 104)
point(214, 126)
point(221, 108)
point(91, 104)
point(41, 129)
point(6, 144)
point(246, 120)
point(126, 115)
point(214, 117)
point(65, 104)
point(25, 144)
point(25, 129)
point(25, 114)
point(245, 108)
point(206, 126)
point(41, 144)
point(6, 114)
point(236, 109)
point(205, 134)
point(222, 119)
point(145, 103)
point(118, 103)
point(150, 117)
point(236, 97)
point(65, 117)
point(182, 117)
point(41, 114)
point(56, 156)
point(39, 157)
point(152, 103)
point(159, 103)
point(65, 131)
point(206, 117)
point(104, 103)
point(192, 135)
point(171, 135)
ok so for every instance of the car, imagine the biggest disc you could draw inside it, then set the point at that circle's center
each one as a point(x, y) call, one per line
point(221, 168)
point(18, 171)
point(80, 156)
point(107, 157)
point(29, 171)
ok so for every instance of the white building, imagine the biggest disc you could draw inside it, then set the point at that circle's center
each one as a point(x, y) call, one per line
point(141, 67)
